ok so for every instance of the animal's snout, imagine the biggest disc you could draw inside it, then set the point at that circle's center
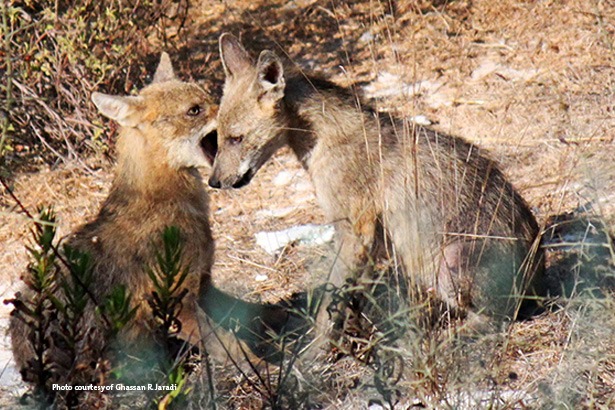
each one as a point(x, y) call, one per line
point(214, 182)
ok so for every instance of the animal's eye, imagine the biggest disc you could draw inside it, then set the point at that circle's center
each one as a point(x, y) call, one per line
point(194, 110)
point(235, 140)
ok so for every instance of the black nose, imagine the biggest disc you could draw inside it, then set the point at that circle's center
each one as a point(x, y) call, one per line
point(214, 182)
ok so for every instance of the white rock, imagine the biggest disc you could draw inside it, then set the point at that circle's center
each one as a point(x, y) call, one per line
point(309, 235)
point(420, 120)
point(283, 178)
point(366, 37)
point(303, 185)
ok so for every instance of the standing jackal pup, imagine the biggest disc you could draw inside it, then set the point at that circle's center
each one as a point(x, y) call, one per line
point(156, 185)
point(459, 229)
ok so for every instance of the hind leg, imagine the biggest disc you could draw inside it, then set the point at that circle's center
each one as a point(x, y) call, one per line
point(484, 276)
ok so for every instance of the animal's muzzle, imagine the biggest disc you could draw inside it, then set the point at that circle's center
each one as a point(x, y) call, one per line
point(245, 179)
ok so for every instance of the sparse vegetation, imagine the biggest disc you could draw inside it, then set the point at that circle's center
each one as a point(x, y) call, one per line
point(56, 53)
point(168, 277)
point(41, 279)
point(54, 308)
point(532, 82)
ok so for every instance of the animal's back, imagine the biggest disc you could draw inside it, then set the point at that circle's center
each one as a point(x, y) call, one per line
point(128, 229)
point(459, 224)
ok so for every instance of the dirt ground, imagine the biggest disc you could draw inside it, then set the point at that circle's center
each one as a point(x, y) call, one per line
point(532, 82)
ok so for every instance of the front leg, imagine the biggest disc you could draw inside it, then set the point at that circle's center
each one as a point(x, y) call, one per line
point(340, 304)
point(351, 256)
point(356, 243)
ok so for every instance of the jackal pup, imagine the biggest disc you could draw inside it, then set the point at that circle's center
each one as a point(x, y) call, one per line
point(456, 225)
point(156, 185)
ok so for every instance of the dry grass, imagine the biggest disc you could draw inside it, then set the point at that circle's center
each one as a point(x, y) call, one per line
point(533, 82)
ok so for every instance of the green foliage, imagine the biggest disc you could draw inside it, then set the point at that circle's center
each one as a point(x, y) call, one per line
point(36, 312)
point(61, 315)
point(167, 277)
point(74, 287)
point(117, 309)
point(57, 308)
point(177, 398)
point(42, 268)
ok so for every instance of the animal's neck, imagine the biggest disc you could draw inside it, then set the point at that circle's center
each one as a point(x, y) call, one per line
point(142, 169)
point(301, 134)
point(319, 113)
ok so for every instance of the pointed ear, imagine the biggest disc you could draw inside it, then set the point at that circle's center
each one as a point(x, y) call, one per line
point(120, 109)
point(164, 72)
point(271, 75)
point(235, 58)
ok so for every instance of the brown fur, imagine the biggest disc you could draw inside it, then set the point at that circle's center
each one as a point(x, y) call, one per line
point(456, 223)
point(156, 185)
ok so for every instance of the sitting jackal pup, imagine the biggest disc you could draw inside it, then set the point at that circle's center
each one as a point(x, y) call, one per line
point(156, 185)
point(458, 227)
